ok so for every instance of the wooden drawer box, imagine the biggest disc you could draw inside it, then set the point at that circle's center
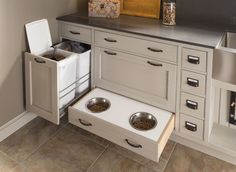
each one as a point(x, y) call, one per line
point(193, 83)
point(113, 124)
point(191, 126)
point(155, 50)
point(192, 105)
point(194, 59)
point(77, 33)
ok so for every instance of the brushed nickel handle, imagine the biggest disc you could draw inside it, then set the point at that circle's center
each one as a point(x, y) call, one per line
point(75, 33)
point(110, 53)
point(131, 144)
point(38, 60)
point(110, 40)
point(85, 123)
point(155, 64)
point(155, 50)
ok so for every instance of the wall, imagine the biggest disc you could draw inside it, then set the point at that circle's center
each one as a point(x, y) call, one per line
point(13, 15)
point(208, 11)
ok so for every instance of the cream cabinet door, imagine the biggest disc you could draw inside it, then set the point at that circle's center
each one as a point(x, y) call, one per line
point(150, 81)
point(41, 77)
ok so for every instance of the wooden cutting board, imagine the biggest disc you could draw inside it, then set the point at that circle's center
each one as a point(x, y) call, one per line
point(144, 8)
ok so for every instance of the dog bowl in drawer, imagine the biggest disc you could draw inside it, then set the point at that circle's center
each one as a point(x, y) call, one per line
point(98, 104)
point(143, 121)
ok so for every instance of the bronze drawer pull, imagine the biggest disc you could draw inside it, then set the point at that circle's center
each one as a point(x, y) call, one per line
point(193, 82)
point(110, 40)
point(190, 126)
point(74, 33)
point(155, 64)
point(191, 104)
point(193, 59)
point(38, 60)
point(155, 50)
point(84, 123)
point(110, 53)
point(135, 146)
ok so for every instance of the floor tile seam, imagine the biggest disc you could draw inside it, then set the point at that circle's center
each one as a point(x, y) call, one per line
point(94, 141)
point(38, 147)
point(167, 161)
point(7, 156)
point(99, 156)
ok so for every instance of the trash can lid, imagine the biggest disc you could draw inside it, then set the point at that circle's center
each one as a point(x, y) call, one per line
point(38, 35)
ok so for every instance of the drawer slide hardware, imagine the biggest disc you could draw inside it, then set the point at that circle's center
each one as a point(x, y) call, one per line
point(155, 50)
point(133, 145)
point(38, 60)
point(190, 126)
point(110, 40)
point(193, 82)
point(84, 123)
point(193, 59)
point(110, 53)
point(74, 33)
point(191, 104)
point(155, 64)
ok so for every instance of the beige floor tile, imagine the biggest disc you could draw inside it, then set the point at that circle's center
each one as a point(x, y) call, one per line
point(68, 151)
point(6, 164)
point(92, 136)
point(26, 140)
point(111, 161)
point(185, 159)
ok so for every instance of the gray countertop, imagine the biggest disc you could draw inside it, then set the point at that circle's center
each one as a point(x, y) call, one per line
point(191, 33)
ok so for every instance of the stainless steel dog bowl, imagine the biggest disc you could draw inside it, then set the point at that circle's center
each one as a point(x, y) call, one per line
point(143, 121)
point(98, 104)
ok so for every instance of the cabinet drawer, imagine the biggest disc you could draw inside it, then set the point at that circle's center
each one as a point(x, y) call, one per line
point(76, 33)
point(149, 144)
point(155, 50)
point(192, 105)
point(192, 127)
point(194, 59)
point(150, 81)
point(193, 83)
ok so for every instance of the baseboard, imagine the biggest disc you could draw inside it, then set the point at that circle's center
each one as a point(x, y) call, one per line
point(15, 124)
point(205, 148)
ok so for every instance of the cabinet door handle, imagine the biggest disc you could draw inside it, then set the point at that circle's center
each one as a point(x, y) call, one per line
point(155, 64)
point(110, 40)
point(110, 53)
point(191, 104)
point(75, 33)
point(190, 126)
point(193, 82)
point(133, 145)
point(155, 50)
point(38, 60)
point(193, 59)
point(84, 123)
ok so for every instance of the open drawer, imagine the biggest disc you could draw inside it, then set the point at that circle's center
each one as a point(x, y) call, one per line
point(114, 124)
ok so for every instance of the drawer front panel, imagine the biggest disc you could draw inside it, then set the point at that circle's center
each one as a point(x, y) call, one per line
point(150, 81)
point(155, 50)
point(191, 126)
point(112, 133)
point(76, 33)
point(192, 105)
point(194, 59)
point(193, 83)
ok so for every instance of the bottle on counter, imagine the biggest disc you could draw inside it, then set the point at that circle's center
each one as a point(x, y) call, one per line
point(169, 11)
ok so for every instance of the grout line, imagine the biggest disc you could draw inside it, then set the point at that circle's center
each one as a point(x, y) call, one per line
point(167, 161)
point(105, 149)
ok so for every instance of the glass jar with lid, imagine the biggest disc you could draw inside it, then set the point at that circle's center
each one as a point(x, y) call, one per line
point(169, 11)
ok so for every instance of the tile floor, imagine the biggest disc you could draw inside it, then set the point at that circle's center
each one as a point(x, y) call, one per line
point(44, 147)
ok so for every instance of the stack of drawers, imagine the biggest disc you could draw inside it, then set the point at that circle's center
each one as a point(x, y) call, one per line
point(193, 92)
